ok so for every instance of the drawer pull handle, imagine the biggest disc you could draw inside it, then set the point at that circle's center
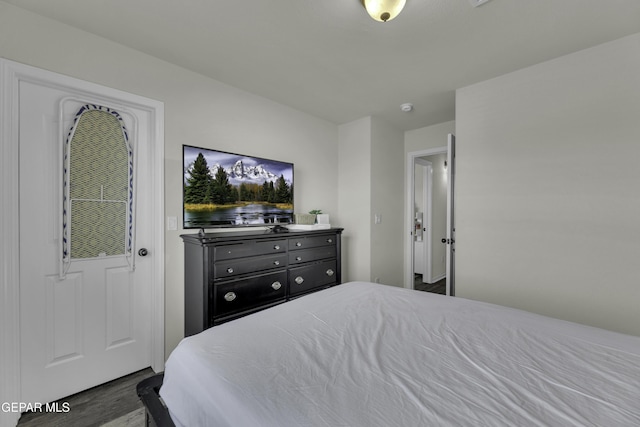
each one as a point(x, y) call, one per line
point(330, 272)
point(329, 240)
point(298, 258)
point(299, 280)
point(230, 296)
point(229, 270)
point(276, 285)
point(298, 244)
point(276, 262)
point(276, 247)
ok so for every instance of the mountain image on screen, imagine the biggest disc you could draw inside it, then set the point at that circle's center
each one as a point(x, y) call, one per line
point(228, 190)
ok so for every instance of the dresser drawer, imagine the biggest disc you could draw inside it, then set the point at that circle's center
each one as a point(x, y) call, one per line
point(240, 295)
point(303, 242)
point(249, 248)
point(313, 254)
point(234, 267)
point(309, 277)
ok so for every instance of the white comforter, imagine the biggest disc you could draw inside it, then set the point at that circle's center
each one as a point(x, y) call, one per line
point(362, 354)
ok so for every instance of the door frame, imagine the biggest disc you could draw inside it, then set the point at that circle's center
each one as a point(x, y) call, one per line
point(11, 74)
point(412, 160)
point(427, 209)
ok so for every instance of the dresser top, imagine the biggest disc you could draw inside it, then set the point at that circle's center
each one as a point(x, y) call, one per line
point(212, 237)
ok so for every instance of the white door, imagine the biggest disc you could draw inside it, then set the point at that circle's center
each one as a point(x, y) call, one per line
point(451, 226)
point(88, 320)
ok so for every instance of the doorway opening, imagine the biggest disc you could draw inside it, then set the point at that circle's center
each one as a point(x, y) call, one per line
point(428, 218)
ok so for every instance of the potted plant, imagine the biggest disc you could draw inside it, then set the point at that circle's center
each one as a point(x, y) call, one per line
point(307, 219)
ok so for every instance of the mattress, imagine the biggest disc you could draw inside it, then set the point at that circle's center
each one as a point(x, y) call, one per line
point(364, 354)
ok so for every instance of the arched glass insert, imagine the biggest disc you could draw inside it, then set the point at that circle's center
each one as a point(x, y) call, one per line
point(98, 186)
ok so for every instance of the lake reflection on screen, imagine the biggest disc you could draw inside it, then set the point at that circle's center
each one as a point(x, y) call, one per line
point(253, 214)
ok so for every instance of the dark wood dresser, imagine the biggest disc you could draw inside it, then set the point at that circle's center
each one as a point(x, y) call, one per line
point(232, 274)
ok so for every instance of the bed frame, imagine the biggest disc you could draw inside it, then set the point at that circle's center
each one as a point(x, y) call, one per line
point(156, 413)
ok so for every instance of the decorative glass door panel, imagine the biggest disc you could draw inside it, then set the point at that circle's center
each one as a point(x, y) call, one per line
point(98, 187)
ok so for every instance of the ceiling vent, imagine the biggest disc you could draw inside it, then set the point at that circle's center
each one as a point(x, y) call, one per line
point(476, 3)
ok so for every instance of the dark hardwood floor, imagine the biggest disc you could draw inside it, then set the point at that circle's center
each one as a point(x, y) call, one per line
point(94, 407)
point(439, 287)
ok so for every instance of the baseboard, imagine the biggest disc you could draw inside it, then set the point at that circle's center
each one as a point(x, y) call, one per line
point(437, 279)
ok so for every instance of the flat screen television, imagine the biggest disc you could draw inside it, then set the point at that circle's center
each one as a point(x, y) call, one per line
point(222, 189)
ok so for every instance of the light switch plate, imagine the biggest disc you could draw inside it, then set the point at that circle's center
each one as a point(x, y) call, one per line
point(172, 223)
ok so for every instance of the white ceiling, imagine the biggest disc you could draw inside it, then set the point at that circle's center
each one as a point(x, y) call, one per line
point(330, 59)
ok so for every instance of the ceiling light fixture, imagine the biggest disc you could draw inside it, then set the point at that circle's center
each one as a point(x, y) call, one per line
point(383, 10)
point(476, 3)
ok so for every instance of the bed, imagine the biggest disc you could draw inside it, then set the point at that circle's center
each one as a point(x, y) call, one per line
point(364, 354)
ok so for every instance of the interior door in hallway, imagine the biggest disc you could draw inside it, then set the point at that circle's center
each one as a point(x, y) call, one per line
point(84, 290)
point(451, 224)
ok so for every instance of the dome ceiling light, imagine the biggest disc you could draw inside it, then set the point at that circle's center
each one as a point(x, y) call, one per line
point(383, 10)
point(476, 3)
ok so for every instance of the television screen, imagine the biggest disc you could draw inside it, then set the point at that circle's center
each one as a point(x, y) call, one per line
point(223, 189)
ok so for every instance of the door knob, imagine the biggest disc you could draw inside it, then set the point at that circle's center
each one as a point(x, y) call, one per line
point(143, 252)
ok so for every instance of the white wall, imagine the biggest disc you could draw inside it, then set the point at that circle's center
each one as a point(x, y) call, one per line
point(387, 178)
point(198, 111)
point(428, 137)
point(370, 183)
point(547, 195)
point(354, 196)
